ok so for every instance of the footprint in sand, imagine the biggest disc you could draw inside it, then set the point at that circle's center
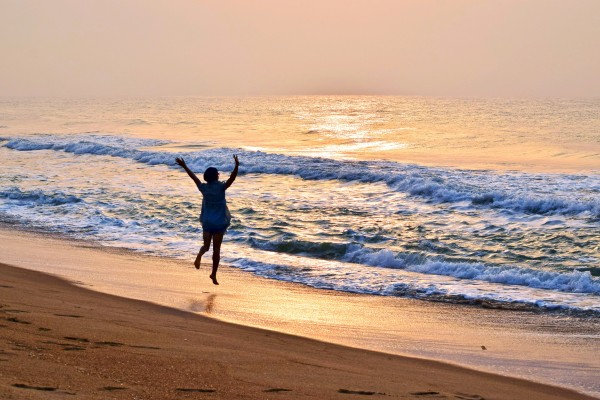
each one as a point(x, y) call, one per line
point(464, 396)
point(430, 394)
point(275, 390)
point(17, 320)
point(65, 346)
point(21, 347)
point(144, 347)
point(119, 344)
point(111, 344)
point(77, 339)
point(14, 311)
point(73, 348)
point(361, 392)
point(113, 388)
point(42, 388)
point(195, 390)
point(69, 315)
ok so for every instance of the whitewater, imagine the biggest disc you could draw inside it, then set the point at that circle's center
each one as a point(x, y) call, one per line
point(324, 196)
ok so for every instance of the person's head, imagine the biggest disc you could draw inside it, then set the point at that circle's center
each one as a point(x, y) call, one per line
point(211, 174)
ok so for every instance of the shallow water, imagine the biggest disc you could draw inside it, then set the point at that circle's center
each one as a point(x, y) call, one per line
point(326, 195)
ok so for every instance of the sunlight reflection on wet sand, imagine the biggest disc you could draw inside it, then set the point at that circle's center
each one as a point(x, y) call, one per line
point(538, 346)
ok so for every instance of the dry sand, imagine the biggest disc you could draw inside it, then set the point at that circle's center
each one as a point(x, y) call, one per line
point(59, 340)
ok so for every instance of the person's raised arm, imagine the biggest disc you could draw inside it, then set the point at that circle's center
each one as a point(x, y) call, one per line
point(182, 163)
point(233, 173)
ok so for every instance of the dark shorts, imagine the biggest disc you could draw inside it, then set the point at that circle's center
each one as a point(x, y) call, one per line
point(212, 230)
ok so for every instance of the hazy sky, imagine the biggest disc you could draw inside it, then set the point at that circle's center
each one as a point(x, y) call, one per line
point(253, 47)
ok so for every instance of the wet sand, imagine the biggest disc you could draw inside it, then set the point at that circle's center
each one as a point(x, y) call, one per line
point(185, 350)
point(59, 339)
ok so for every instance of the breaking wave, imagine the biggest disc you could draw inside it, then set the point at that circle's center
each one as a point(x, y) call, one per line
point(515, 192)
point(572, 282)
point(37, 197)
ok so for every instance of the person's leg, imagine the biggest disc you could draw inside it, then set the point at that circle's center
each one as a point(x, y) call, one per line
point(217, 240)
point(207, 237)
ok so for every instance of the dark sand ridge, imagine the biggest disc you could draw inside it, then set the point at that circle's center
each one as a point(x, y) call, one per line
point(60, 340)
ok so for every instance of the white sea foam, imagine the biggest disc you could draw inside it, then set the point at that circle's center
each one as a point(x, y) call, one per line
point(38, 197)
point(433, 184)
point(573, 281)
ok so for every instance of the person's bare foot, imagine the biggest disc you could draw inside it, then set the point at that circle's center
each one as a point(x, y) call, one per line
point(197, 262)
point(214, 279)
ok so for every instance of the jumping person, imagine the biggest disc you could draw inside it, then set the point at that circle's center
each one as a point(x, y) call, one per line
point(215, 217)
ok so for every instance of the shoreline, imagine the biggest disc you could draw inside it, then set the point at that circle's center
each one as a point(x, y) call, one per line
point(86, 343)
point(449, 333)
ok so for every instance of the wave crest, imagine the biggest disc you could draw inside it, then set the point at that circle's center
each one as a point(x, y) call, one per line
point(39, 197)
point(572, 282)
point(519, 192)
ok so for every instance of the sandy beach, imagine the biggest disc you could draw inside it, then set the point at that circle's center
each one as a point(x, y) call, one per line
point(407, 195)
point(59, 339)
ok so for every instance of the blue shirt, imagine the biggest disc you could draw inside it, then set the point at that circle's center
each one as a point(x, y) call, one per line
point(215, 214)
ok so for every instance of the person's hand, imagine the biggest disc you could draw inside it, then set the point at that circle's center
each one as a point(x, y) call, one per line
point(180, 161)
point(235, 158)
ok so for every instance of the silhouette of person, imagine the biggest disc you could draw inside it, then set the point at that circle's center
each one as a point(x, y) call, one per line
point(215, 216)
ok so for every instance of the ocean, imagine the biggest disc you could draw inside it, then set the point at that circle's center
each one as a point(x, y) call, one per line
point(491, 202)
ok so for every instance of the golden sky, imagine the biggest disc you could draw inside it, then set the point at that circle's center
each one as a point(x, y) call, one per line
point(516, 48)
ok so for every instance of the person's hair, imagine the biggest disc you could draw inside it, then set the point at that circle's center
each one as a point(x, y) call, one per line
point(211, 174)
